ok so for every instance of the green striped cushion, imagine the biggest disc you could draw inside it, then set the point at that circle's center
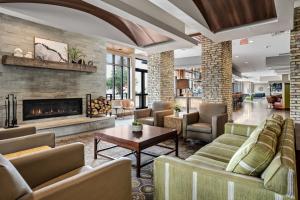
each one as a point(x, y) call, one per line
point(255, 154)
point(239, 129)
point(278, 118)
point(273, 126)
point(280, 174)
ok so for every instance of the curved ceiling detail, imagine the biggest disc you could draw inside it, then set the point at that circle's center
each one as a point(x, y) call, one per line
point(141, 36)
point(225, 14)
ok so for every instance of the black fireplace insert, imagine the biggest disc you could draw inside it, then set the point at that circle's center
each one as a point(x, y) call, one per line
point(47, 108)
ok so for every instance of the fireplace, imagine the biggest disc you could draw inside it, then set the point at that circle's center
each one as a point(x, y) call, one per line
point(47, 108)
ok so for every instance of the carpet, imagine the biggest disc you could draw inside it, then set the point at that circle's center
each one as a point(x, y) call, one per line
point(142, 188)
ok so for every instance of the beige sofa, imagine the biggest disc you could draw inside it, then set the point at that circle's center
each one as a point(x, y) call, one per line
point(61, 174)
point(206, 124)
point(23, 139)
point(154, 116)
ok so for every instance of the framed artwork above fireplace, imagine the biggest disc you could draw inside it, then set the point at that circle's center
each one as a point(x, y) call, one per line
point(50, 50)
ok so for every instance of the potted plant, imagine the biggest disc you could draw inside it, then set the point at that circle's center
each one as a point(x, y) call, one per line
point(137, 126)
point(75, 54)
point(177, 110)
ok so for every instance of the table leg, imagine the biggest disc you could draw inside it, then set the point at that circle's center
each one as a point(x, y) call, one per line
point(95, 148)
point(138, 164)
point(116, 109)
point(176, 145)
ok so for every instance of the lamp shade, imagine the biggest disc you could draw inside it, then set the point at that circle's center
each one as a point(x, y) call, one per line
point(182, 84)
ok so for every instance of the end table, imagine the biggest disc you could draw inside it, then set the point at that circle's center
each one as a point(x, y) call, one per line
point(171, 121)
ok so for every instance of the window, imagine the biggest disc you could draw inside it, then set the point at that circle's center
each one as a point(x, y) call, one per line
point(117, 77)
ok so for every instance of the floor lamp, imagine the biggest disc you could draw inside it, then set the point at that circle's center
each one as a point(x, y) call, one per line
point(182, 84)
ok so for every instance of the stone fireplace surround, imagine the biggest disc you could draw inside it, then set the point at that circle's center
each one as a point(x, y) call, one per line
point(34, 83)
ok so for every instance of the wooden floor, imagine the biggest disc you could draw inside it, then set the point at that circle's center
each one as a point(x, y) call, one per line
point(255, 112)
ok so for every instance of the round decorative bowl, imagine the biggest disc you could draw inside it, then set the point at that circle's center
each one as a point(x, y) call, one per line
point(137, 128)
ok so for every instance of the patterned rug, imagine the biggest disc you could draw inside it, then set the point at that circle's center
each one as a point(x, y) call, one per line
point(142, 188)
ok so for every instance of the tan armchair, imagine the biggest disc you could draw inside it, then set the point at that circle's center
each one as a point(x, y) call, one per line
point(24, 138)
point(207, 124)
point(61, 174)
point(154, 116)
point(128, 106)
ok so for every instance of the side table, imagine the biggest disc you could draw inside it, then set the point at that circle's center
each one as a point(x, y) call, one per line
point(171, 121)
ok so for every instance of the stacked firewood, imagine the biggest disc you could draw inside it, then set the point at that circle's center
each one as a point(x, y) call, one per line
point(100, 106)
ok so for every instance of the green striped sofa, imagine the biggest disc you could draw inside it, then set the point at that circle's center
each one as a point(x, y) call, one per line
point(212, 173)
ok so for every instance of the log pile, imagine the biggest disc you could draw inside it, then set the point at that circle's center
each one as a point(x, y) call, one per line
point(100, 106)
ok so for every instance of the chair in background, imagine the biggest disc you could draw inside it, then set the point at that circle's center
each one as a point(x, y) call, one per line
point(206, 124)
point(44, 176)
point(128, 106)
point(24, 140)
point(154, 116)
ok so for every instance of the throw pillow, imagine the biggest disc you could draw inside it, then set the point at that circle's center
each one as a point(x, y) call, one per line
point(255, 154)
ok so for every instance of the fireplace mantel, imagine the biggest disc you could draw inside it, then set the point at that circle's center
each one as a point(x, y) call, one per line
point(35, 63)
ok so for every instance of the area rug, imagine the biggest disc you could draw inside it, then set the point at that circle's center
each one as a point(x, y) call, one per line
point(142, 188)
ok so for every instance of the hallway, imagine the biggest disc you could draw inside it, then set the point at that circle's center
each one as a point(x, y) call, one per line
point(255, 112)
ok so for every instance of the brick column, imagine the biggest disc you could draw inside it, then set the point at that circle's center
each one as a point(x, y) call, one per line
point(295, 68)
point(216, 73)
point(161, 77)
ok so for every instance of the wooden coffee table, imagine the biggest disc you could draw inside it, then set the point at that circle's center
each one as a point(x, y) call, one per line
point(122, 136)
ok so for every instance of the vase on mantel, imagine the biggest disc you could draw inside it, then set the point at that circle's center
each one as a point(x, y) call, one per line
point(176, 114)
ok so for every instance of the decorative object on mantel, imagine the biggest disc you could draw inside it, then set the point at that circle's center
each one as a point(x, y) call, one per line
point(137, 126)
point(50, 50)
point(177, 110)
point(99, 107)
point(75, 55)
point(35, 63)
point(90, 63)
point(28, 55)
point(18, 52)
point(11, 111)
point(81, 62)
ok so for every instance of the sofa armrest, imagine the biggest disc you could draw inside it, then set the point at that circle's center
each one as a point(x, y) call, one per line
point(142, 113)
point(109, 181)
point(218, 124)
point(159, 117)
point(45, 165)
point(178, 179)
point(17, 132)
point(190, 118)
point(239, 129)
point(27, 142)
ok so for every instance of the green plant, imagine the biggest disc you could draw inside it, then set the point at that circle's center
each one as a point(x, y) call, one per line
point(75, 54)
point(136, 123)
point(177, 108)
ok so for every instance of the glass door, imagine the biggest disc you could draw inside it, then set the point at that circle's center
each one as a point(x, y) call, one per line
point(141, 94)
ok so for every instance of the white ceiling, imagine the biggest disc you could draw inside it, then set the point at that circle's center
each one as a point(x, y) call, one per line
point(255, 53)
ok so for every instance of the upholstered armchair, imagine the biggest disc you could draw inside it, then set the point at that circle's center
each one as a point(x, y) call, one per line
point(128, 106)
point(154, 116)
point(61, 174)
point(206, 124)
point(24, 138)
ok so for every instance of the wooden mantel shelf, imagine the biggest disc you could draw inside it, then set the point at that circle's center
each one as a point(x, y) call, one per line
point(35, 63)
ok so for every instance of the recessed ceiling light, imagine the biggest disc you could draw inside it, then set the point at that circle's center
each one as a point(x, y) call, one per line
point(251, 41)
point(246, 62)
point(236, 56)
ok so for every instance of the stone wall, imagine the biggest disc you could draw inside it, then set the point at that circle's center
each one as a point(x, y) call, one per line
point(295, 68)
point(216, 72)
point(161, 77)
point(33, 83)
